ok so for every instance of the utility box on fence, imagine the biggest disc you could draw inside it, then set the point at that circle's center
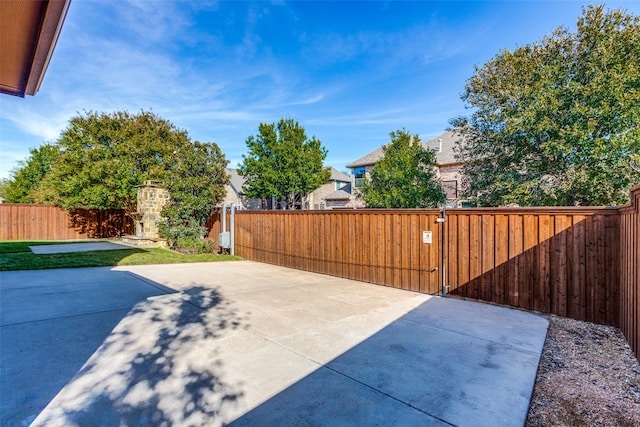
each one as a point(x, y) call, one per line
point(224, 240)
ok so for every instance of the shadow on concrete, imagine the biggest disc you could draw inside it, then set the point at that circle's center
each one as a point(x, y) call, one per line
point(447, 362)
point(152, 368)
point(185, 358)
point(156, 367)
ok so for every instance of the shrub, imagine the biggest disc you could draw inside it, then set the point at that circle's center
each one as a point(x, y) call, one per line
point(186, 238)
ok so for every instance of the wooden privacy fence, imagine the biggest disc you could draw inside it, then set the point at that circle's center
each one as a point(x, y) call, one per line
point(382, 247)
point(561, 261)
point(46, 222)
point(630, 271)
point(575, 262)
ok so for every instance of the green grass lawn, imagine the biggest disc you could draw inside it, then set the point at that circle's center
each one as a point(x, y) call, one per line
point(16, 255)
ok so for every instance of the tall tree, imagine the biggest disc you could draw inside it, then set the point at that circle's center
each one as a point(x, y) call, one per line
point(405, 177)
point(24, 185)
point(103, 157)
point(557, 122)
point(283, 163)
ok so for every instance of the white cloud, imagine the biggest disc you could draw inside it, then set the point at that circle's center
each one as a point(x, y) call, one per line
point(420, 44)
point(312, 99)
point(219, 82)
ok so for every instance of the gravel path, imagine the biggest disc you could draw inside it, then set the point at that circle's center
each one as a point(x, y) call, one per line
point(588, 376)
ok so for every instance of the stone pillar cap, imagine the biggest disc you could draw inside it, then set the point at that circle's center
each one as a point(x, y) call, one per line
point(150, 183)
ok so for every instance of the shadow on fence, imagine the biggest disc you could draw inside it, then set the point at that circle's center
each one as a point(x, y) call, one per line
point(573, 273)
point(47, 222)
point(98, 224)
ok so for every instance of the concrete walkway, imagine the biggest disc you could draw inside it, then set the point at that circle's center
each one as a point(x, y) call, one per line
point(254, 344)
point(77, 247)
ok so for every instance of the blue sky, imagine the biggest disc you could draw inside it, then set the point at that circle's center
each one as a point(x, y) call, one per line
point(349, 72)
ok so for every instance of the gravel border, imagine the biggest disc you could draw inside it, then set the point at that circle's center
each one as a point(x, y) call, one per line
point(588, 376)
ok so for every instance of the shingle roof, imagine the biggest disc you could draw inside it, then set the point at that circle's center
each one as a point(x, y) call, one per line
point(336, 175)
point(444, 157)
point(237, 181)
point(368, 159)
point(449, 141)
point(338, 195)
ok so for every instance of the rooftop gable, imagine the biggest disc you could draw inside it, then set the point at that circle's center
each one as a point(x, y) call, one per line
point(443, 145)
point(236, 180)
point(336, 175)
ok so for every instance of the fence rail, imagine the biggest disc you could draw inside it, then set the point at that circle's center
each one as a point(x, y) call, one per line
point(554, 262)
point(46, 222)
point(379, 247)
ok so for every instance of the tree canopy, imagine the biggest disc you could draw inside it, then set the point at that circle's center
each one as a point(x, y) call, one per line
point(100, 159)
point(557, 122)
point(103, 157)
point(283, 163)
point(24, 185)
point(196, 182)
point(405, 177)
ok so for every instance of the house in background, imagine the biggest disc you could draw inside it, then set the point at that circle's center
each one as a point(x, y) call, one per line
point(336, 192)
point(449, 168)
point(341, 199)
point(236, 195)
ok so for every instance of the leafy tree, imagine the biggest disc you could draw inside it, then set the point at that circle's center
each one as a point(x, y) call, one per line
point(103, 157)
point(405, 177)
point(283, 163)
point(556, 122)
point(4, 185)
point(196, 182)
point(100, 159)
point(24, 185)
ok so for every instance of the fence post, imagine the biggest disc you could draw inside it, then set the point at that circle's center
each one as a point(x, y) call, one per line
point(231, 229)
point(443, 243)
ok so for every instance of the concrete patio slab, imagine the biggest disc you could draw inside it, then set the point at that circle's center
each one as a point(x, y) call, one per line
point(70, 292)
point(37, 359)
point(245, 343)
point(77, 247)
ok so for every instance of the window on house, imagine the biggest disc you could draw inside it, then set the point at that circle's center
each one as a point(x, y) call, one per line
point(359, 175)
point(450, 189)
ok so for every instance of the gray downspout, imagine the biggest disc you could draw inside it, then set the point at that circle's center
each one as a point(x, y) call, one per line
point(224, 218)
point(443, 270)
point(232, 229)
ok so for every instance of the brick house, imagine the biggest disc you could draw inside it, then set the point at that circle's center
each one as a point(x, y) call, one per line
point(449, 168)
point(336, 192)
point(235, 194)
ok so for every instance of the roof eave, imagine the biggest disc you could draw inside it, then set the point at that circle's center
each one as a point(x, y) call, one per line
point(52, 25)
point(359, 164)
point(34, 34)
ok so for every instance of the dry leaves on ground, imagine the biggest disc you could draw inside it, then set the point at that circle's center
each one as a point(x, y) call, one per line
point(588, 376)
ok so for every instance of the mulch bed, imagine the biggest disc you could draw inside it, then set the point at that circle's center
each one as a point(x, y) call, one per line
point(588, 376)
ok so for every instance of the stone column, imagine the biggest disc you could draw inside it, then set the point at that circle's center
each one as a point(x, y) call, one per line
point(151, 199)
